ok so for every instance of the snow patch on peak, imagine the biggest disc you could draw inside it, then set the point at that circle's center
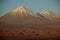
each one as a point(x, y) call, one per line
point(49, 14)
point(21, 10)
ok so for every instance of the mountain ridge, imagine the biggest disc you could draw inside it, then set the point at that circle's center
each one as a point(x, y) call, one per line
point(49, 15)
point(21, 15)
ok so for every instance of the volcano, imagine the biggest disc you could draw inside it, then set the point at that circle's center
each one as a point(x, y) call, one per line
point(22, 24)
point(21, 16)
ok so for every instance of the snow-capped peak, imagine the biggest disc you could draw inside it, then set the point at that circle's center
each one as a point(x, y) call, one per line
point(48, 14)
point(21, 10)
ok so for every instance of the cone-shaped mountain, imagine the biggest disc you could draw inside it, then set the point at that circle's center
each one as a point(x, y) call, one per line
point(21, 16)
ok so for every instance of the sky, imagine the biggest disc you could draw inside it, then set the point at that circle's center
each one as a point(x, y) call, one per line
point(33, 5)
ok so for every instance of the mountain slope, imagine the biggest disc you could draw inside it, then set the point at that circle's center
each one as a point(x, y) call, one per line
point(16, 14)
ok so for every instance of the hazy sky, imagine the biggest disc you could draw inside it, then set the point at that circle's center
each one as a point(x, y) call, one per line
point(33, 5)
